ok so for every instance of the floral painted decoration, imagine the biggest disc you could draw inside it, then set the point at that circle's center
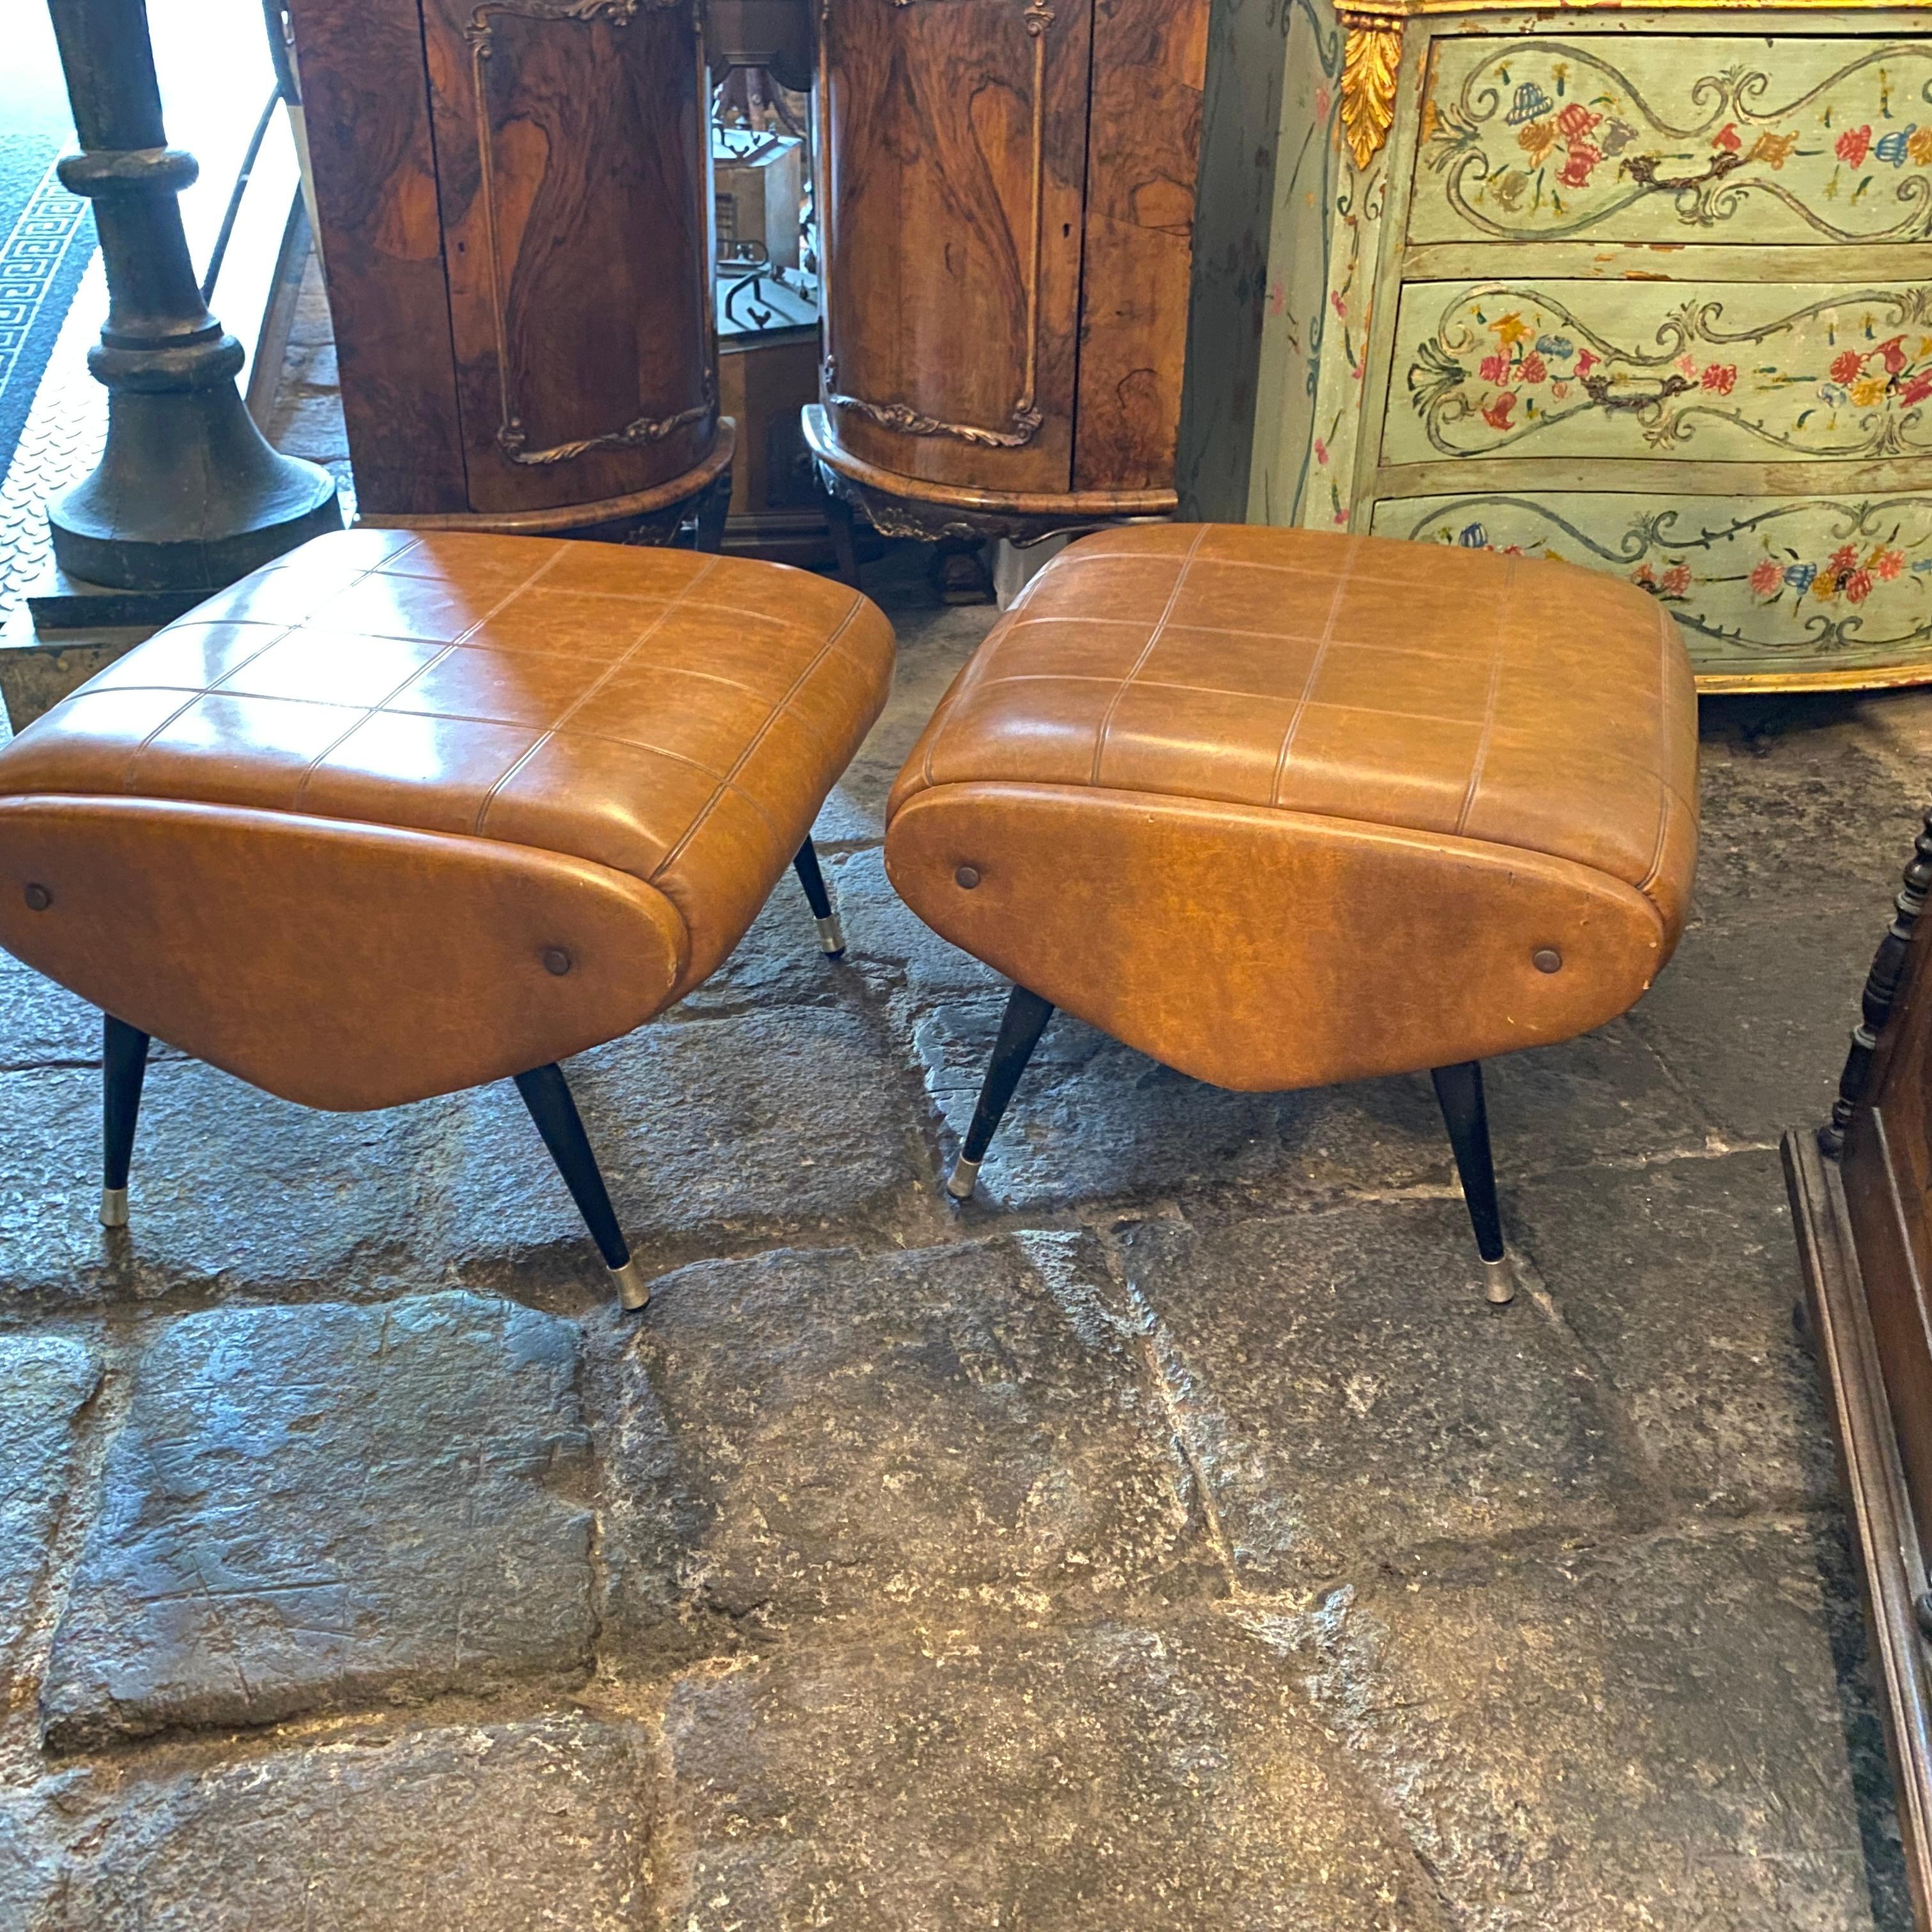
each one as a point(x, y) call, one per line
point(1848, 572)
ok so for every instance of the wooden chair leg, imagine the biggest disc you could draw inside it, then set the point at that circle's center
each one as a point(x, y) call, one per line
point(546, 1094)
point(831, 932)
point(1460, 1089)
point(124, 1066)
point(1021, 1027)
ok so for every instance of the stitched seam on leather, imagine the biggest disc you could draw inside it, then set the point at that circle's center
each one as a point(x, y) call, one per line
point(375, 710)
point(1144, 796)
point(1224, 691)
point(1503, 600)
point(457, 643)
point(666, 670)
point(570, 710)
point(1265, 637)
point(1147, 652)
point(777, 710)
point(207, 690)
point(194, 697)
point(1315, 664)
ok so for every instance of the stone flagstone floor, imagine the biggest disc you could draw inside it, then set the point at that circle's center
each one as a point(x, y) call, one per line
point(1174, 1539)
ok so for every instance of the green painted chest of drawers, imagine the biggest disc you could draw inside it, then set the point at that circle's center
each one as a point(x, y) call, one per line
point(1650, 292)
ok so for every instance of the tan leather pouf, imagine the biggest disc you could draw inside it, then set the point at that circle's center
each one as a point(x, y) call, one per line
point(1281, 809)
point(400, 814)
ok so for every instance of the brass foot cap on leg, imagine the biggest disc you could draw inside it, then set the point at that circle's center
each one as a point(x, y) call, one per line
point(964, 1175)
point(114, 1207)
point(831, 936)
point(633, 1291)
point(1500, 1282)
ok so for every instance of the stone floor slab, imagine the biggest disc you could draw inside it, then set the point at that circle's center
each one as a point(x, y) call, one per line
point(41, 1023)
point(1681, 1281)
point(1352, 1399)
point(777, 963)
point(1116, 1778)
point(776, 1122)
point(1753, 1015)
point(309, 1509)
point(31, 1860)
point(233, 1190)
point(1095, 1120)
point(1671, 1733)
point(47, 1382)
point(1811, 812)
point(828, 1433)
point(895, 949)
point(497, 1828)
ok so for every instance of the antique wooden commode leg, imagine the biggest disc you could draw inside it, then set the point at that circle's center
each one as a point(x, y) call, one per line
point(1459, 1089)
point(1881, 989)
point(124, 1065)
point(831, 932)
point(1021, 1027)
point(546, 1094)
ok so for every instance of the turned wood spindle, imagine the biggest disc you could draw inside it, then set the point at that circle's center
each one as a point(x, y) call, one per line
point(1881, 989)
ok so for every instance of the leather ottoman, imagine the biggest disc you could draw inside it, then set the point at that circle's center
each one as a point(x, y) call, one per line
point(1281, 809)
point(400, 814)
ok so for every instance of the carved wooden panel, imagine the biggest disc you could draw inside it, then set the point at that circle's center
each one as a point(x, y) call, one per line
point(574, 174)
point(367, 113)
point(1144, 144)
point(1762, 587)
point(955, 159)
point(1675, 138)
point(1736, 371)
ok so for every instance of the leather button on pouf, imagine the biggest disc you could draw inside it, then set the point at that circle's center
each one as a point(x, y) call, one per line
point(966, 877)
point(39, 898)
point(1547, 959)
point(556, 960)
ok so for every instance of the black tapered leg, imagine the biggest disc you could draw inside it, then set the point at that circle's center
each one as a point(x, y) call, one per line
point(1021, 1027)
point(844, 540)
point(124, 1066)
point(831, 932)
point(1459, 1089)
point(712, 512)
point(546, 1094)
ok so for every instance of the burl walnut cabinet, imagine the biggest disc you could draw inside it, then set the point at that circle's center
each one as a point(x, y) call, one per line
point(1007, 189)
point(515, 206)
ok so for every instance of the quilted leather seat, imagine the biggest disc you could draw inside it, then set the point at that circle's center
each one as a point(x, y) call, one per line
point(1281, 807)
point(399, 814)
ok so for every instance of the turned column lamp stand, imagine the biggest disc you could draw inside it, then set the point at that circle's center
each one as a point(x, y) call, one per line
point(188, 496)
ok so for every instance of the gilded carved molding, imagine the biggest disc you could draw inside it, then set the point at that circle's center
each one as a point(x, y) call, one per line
point(1371, 59)
point(512, 439)
point(1026, 419)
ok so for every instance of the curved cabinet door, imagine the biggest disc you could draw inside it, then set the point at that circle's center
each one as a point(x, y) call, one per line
point(953, 144)
point(574, 168)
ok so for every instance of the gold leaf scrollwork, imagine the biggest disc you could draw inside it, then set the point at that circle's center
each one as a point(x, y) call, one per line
point(1371, 58)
